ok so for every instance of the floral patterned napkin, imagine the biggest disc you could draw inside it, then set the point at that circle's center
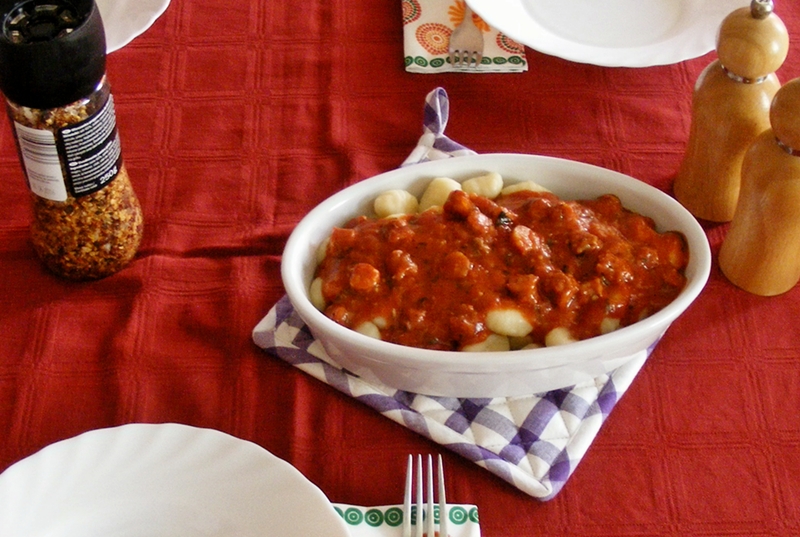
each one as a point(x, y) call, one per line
point(427, 25)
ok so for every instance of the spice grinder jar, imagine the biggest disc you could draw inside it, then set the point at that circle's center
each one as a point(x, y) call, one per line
point(87, 221)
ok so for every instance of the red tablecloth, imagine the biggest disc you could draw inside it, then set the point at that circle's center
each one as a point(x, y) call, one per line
point(236, 119)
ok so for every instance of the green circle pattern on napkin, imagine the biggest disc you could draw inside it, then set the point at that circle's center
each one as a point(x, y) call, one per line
point(463, 519)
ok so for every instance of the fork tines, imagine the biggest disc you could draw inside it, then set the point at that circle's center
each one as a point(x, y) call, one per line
point(465, 58)
point(428, 515)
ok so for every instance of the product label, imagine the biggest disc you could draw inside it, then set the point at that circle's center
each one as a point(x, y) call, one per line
point(91, 151)
point(42, 163)
point(79, 159)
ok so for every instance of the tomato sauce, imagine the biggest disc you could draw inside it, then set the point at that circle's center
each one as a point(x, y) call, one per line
point(428, 280)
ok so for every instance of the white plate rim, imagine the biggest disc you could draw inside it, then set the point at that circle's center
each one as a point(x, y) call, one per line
point(696, 37)
point(125, 20)
point(89, 483)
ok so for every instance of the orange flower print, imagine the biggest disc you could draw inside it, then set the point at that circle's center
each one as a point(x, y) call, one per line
point(509, 45)
point(434, 37)
point(456, 12)
point(411, 11)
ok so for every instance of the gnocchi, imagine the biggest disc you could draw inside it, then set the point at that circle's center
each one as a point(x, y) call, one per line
point(464, 277)
point(315, 294)
point(492, 343)
point(558, 336)
point(508, 322)
point(437, 192)
point(395, 202)
point(369, 329)
point(523, 186)
point(488, 185)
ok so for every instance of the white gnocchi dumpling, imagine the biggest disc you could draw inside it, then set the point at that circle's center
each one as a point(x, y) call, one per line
point(436, 193)
point(322, 250)
point(315, 294)
point(488, 185)
point(608, 325)
point(559, 336)
point(493, 343)
point(522, 186)
point(508, 322)
point(370, 329)
point(395, 202)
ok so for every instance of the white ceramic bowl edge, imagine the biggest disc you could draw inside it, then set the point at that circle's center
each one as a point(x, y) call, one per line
point(490, 374)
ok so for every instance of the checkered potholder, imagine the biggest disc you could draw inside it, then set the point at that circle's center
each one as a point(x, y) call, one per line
point(533, 442)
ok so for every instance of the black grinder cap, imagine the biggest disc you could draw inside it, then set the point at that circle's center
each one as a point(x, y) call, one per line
point(52, 52)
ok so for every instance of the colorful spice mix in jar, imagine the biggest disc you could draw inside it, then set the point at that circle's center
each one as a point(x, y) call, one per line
point(87, 221)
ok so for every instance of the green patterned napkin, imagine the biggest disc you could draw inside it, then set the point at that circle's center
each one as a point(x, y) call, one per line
point(387, 520)
point(427, 25)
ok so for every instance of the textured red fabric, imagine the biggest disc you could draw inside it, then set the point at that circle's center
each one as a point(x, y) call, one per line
point(237, 118)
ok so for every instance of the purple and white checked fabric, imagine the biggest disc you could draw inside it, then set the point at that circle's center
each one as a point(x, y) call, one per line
point(433, 144)
point(533, 442)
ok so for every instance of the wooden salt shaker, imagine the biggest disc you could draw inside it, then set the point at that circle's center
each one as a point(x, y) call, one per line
point(761, 252)
point(730, 107)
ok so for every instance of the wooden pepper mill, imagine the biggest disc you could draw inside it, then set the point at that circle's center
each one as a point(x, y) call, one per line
point(761, 252)
point(730, 107)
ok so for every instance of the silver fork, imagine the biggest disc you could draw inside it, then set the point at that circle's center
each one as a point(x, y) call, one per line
point(428, 514)
point(466, 43)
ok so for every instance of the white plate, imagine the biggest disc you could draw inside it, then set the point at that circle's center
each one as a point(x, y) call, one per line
point(163, 480)
point(613, 33)
point(125, 20)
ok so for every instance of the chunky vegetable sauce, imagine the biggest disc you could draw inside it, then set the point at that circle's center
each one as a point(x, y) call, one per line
point(430, 279)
